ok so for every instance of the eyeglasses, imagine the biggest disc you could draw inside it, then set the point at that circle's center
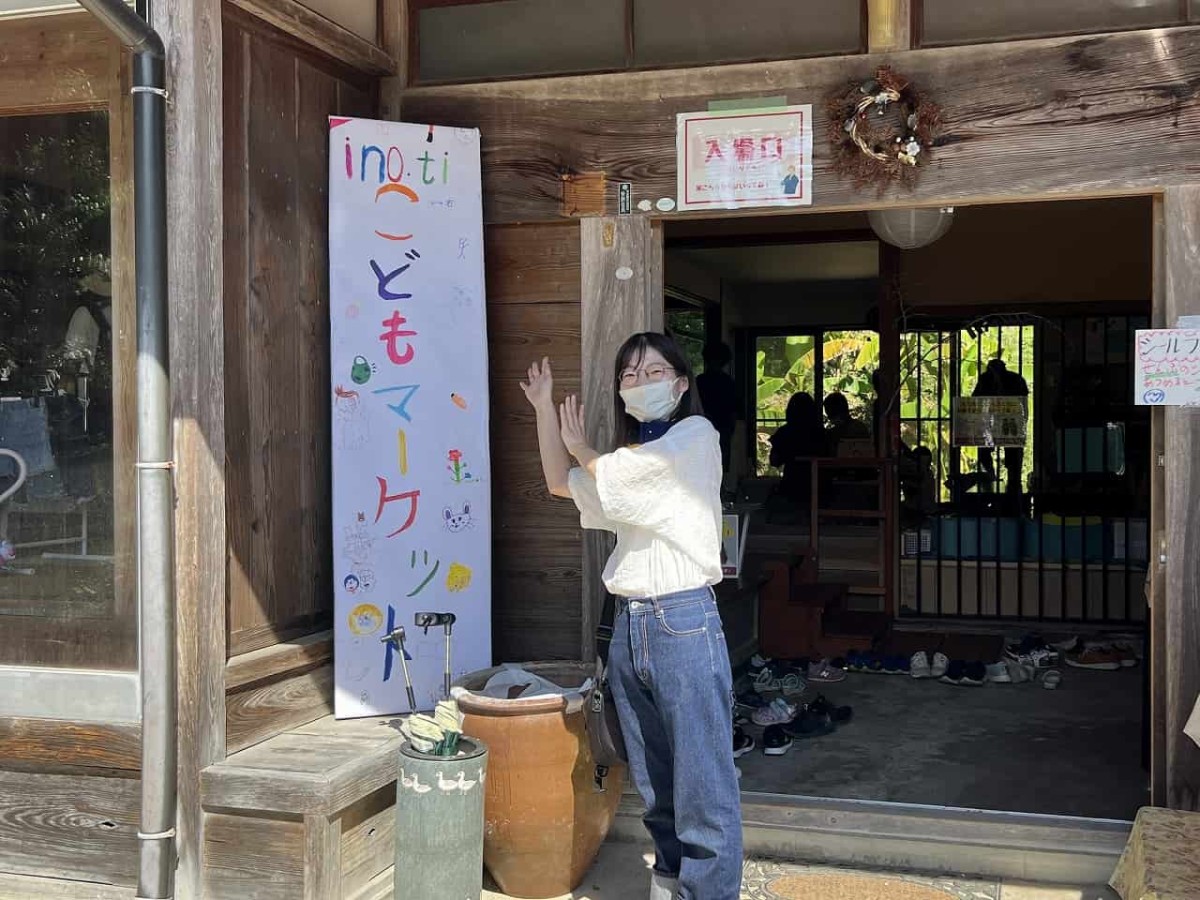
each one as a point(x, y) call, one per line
point(653, 373)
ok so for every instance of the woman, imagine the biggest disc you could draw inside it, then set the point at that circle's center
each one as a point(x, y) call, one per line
point(668, 666)
point(800, 436)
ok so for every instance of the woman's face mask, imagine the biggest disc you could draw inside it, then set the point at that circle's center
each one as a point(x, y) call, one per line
point(654, 401)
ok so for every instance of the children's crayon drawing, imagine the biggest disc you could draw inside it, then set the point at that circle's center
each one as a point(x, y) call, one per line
point(409, 403)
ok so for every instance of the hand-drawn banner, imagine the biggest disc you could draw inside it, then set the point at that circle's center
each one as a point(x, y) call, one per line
point(1167, 367)
point(408, 352)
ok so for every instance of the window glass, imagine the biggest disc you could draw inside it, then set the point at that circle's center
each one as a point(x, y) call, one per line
point(668, 32)
point(519, 37)
point(58, 539)
point(970, 21)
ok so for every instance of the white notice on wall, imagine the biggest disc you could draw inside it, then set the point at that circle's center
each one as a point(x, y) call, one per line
point(408, 346)
point(1166, 368)
point(988, 422)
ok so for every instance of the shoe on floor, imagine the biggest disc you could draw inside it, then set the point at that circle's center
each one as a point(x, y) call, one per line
point(742, 743)
point(1095, 658)
point(918, 666)
point(775, 713)
point(810, 725)
point(1018, 673)
point(974, 674)
point(776, 741)
point(822, 707)
point(1051, 679)
point(941, 662)
point(998, 673)
point(824, 673)
point(663, 887)
point(954, 672)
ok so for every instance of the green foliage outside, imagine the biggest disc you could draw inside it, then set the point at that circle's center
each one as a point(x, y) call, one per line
point(785, 365)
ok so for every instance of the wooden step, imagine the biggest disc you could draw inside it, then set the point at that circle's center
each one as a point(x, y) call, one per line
point(306, 814)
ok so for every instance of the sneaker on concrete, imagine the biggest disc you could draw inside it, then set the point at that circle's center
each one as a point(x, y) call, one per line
point(918, 666)
point(775, 713)
point(742, 743)
point(776, 741)
point(941, 662)
point(998, 673)
point(663, 887)
point(1095, 658)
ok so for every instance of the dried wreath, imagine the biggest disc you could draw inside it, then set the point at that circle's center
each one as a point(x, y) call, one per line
point(872, 147)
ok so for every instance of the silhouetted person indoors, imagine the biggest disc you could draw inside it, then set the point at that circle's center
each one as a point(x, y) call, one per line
point(719, 397)
point(998, 381)
point(800, 436)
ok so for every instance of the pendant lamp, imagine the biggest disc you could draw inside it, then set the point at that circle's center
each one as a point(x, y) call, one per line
point(909, 229)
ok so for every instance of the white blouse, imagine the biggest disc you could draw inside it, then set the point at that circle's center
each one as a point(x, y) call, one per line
point(663, 502)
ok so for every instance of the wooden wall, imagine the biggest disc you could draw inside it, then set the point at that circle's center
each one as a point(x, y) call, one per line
point(533, 308)
point(1097, 114)
point(277, 98)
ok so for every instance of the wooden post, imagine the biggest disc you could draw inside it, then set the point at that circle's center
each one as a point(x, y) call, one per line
point(615, 304)
point(191, 30)
point(1181, 619)
point(1156, 601)
point(393, 38)
point(889, 25)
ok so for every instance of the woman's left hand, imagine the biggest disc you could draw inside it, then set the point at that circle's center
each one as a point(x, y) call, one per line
point(571, 424)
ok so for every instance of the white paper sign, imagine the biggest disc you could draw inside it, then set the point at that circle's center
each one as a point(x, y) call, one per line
point(1166, 368)
point(408, 346)
point(732, 159)
point(988, 422)
point(733, 544)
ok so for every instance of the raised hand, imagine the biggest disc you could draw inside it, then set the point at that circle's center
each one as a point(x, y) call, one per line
point(539, 388)
point(571, 425)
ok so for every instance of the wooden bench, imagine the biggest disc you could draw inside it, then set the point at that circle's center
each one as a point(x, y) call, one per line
point(306, 814)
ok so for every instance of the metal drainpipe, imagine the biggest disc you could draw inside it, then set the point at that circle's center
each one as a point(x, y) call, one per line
point(155, 488)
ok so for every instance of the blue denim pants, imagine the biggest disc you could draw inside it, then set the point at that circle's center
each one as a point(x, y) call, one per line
point(668, 668)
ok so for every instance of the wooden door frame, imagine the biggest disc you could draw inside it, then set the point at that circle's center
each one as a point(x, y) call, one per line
point(68, 63)
point(613, 308)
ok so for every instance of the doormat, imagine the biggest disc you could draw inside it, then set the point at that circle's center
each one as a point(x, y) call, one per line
point(780, 881)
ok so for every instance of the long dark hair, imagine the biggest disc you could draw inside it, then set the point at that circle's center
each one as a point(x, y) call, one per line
point(631, 354)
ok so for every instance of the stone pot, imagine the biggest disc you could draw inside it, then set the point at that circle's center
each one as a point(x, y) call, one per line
point(439, 823)
point(545, 817)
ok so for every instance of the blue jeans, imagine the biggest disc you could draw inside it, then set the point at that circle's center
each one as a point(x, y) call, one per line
point(668, 668)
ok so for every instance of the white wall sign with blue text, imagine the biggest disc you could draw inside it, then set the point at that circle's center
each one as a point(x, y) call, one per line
point(409, 398)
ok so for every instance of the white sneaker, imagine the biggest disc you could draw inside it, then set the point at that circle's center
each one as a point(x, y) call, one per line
point(941, 662)
point(918, 666)
point(662, 887)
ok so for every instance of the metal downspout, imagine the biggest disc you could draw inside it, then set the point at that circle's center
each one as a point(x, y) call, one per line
point(155, 487)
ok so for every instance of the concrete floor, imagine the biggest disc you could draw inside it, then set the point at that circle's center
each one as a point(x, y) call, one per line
point(1072, 751)
point(622, 872)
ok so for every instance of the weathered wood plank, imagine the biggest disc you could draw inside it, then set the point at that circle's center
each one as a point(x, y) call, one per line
point(531, 263)
point(303, 653)
point(257, 713)
point(192, 33)
point(58, 63)
point(28, 887)
point(248, 858)
point(1181, 249)
point(322, 858)
point(1057, 116)
point(612, 309)
point(73, 827)
point(302, 775)
point(321, 34)
point(368, 840)
point(56, 742)
point(316, 100)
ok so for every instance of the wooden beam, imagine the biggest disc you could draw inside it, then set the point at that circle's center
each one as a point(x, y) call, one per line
point(191, 30)
point(271, 662)
point(59, 743)
point(1181, 264)
point(615, 305)
point(321, 34)
point(889, 26)
point(1097, 115)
